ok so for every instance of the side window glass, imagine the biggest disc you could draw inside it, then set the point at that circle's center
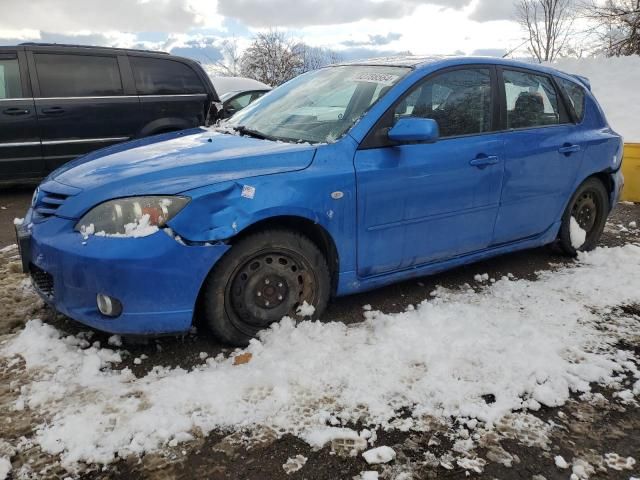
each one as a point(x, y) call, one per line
point(256, 95)
point(576, 96)
point(10, 86)
point(460, 101)
point(157, 76)
point(240, 102)
point(61, 75)
point(531, 100)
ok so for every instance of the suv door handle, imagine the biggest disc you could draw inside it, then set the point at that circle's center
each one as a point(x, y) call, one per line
point(53, 110)
point(482, 161)
point(569, 149)
point(15, 111)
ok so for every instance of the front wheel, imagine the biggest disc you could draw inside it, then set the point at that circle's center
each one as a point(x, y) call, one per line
point(584, 219)
point(262, 278)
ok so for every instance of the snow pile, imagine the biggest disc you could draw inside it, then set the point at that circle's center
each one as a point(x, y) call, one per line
point(561, 462)
point(614, 82)
point(369, 475)
point(5, 468)
point(379, 455)
point(305, 310)
point(294, 464)
point(521, 343)
point(576, 233)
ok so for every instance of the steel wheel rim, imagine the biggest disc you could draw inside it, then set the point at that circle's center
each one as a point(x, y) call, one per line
point(267, 286)
point(585, 211)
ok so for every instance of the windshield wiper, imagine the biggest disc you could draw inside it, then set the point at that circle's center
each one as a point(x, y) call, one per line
point(242, 130)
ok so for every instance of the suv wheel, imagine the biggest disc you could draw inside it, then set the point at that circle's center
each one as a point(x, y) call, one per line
point(262, 278)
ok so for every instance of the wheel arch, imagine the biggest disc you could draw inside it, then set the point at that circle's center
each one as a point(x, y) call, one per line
point(319, 235)
point(604, 176)
point(164, 125)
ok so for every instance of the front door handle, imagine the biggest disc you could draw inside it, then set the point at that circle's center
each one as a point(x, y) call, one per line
point(568, 149)
point(16, 111)
point(53, 110)
point(482, 161)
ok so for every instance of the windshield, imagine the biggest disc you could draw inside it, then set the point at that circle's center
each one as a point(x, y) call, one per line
point(319, 106)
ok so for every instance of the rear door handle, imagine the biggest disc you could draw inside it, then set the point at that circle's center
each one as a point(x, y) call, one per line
point(568, 149)
point(484, 160)
point(16, 111)
point(53, 110)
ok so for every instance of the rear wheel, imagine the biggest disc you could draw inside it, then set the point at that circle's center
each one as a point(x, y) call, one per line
point(264, 277)
point(588, 208)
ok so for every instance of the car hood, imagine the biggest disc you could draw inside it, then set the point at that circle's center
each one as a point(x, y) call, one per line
point(170, 164)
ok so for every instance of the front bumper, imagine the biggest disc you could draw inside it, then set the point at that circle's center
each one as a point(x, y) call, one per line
point(156, 279)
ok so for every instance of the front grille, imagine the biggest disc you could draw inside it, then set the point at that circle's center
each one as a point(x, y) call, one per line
point(48, 202)
point(42, 280)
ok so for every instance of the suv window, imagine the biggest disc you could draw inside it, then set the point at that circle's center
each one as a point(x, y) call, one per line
point(460, 102)
point(576, 95)
point(156, 76)
point(10, 86)
point(68, 75)
point(532, 100)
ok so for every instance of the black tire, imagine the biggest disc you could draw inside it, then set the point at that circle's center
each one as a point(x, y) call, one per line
point(263, 277)
point(589, 205)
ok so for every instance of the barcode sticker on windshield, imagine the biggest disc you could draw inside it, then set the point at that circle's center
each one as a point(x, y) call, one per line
point(376, 77)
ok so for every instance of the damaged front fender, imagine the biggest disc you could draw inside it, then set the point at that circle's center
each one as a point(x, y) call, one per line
point(227, 209)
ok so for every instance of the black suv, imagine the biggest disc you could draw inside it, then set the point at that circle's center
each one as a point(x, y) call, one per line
point(61, 101)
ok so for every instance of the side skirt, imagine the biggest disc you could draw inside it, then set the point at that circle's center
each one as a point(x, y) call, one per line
point(349, 282)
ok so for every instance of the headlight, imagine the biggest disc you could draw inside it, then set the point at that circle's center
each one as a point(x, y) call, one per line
point(131, 217)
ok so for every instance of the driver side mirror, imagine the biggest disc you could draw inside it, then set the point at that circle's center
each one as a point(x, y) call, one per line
point(414, 129)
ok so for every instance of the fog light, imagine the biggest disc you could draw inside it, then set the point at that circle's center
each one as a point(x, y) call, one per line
point(109, 306)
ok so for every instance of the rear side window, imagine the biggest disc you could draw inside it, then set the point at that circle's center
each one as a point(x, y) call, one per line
point(156, 76)
point(576, 96)
point(10, 86)
point(532, 100)
point(61, 75)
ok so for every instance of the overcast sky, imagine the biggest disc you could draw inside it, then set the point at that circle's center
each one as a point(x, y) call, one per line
point(357, 28)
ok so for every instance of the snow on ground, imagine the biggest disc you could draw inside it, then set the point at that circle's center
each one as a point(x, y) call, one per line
point(5, 467)
point(382, 454)
point(614, 82)
point(522, 343)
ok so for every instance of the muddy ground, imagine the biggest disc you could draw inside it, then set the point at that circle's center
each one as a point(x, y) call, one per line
point(586, 429)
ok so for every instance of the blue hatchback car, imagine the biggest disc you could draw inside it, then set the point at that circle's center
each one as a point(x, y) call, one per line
point(344, 179)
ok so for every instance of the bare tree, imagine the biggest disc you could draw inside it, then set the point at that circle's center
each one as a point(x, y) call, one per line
point(316, 57)
point(232, 57)
point(272, 58)
point(548, 24)
point(229, 65)
point(275, 58)
point(618, 24)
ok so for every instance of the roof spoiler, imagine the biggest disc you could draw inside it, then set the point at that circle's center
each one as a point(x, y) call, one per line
point(583, 80)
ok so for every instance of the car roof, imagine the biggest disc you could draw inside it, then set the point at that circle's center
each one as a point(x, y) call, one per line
point(433, 62)
point(236, 84)
point(396, 61)
point(43, 45)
